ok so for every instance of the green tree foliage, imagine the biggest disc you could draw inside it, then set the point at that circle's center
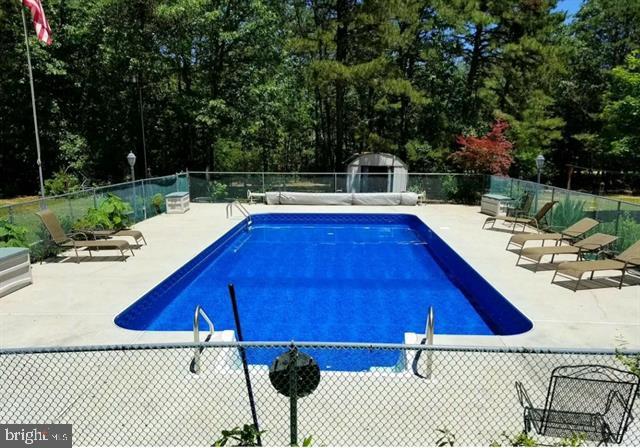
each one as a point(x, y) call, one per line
point(621, 113)
point(602, 35)
point(296, 85)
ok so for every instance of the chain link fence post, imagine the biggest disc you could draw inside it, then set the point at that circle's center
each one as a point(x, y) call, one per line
point(618, 211)
point(293, 395)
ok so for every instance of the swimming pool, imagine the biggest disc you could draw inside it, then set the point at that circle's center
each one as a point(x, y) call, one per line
point(329, 277)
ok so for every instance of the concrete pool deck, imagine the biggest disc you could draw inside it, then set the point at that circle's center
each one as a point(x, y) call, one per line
point(73, 304)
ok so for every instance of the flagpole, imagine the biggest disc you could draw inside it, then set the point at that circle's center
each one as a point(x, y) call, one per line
point(33, 105)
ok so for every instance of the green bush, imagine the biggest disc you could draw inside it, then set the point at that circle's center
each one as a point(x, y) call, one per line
point(463, 189)
point(245, 436)
point(217, 190)
point(567, 212)
point(112, 213)
point(12, 235)
point(628, 230)
point(61, 182)
point(157, 201)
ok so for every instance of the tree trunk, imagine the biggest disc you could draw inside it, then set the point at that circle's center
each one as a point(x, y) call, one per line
point(474, 64)
point(341, 57)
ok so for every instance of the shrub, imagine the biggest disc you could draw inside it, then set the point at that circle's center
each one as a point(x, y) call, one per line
point(61, 182)
point(245, 436)
point(445, 438)
point(12, 235)
point(463, 189)
point(628, 230)
point(567, 212)
point(157, 201)
point(217, 190)
point(490, 153)
point(112, 213)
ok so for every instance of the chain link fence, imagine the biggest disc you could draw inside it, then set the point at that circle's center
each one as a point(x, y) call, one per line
point(72, 206)
point(377, 395)
point(616, 217)
point(435, 187)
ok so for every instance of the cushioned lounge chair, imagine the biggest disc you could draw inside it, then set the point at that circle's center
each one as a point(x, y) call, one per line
point(71, 241)
point(593, 243)
point(533, 221)
point(571, 233)
point(622, 262)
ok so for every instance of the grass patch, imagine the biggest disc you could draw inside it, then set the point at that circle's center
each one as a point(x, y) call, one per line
point(625, 198)
point(18, 200)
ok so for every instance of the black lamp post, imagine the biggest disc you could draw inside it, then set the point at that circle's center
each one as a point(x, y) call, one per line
point(136, 79)
point(539, 164)
point(131, 159)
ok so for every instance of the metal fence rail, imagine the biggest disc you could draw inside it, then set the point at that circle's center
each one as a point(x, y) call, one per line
point(367, 395)
point(436, 187)
point(616, 217)
point(73, 206)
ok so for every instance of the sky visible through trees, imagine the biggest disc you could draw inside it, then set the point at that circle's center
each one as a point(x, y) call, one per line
point(294, 85)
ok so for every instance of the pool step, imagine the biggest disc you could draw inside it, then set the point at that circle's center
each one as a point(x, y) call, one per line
point(218, 359)
point(237, 245)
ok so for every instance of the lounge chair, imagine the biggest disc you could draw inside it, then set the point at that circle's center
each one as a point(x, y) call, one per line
point(106, 234)
point(533, 221)
point(622, 262)
point(571, 233)
point(595, 242)
point(69, 241)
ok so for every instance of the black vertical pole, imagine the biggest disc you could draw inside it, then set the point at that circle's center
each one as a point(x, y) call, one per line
point(245, 367)
point(293, 395)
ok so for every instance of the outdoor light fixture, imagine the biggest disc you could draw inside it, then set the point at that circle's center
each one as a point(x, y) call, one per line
point(539, 164)
point(131, 158)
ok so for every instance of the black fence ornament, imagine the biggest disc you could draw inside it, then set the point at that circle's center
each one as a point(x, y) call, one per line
point(306, 371)
point(295, 375)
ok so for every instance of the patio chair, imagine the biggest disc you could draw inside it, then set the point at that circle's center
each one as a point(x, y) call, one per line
point(571, 233)
point(533, 221)
point(593, 243)
point(589, 400)
point(71, 241)
point(621, 262)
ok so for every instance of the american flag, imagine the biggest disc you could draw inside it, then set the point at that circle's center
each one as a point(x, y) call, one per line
point(39, 20)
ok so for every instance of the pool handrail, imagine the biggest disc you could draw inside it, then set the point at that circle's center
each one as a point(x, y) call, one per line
point(428, 340)
point(242, 209)
point(196, 366)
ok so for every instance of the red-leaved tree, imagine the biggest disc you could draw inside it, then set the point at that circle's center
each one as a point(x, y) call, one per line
point(490, 153)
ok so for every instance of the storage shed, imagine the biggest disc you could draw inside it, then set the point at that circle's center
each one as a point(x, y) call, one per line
point(376, 172)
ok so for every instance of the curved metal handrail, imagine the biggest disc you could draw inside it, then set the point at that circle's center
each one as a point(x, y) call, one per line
point(242, 208)
point(428, 340)
point(428, 332)
point(195, 364)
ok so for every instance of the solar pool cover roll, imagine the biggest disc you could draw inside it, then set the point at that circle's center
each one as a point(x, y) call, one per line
point(295, 198)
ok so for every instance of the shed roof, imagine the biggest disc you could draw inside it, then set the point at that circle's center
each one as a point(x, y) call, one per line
point(376, 159)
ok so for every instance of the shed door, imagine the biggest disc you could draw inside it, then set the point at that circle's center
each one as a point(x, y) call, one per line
point(375, 179)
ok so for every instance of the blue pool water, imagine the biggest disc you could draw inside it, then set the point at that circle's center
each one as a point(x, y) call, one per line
point(329, 277)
